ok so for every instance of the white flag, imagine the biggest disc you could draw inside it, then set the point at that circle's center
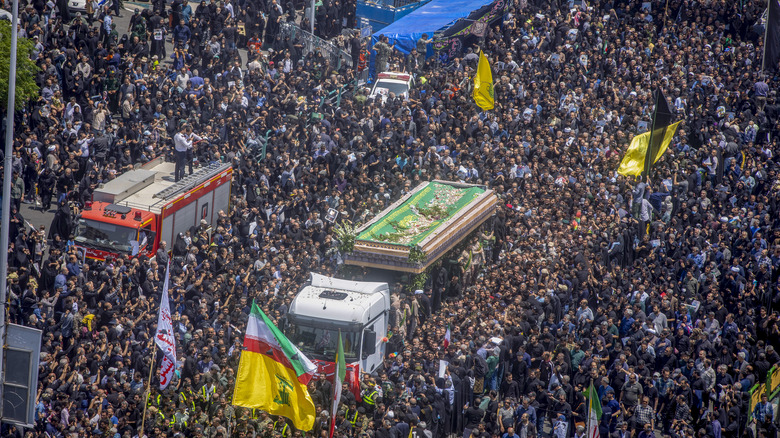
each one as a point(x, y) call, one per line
point(164, 336)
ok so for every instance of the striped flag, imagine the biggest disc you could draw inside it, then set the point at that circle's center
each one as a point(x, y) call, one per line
point(447, 338)
point(647, 148)
point(270, 379)
point(594, 412)
point(338, 378)
point(164, 337)
point(266, 337)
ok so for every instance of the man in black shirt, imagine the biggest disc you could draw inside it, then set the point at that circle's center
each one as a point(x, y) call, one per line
point(473, 417)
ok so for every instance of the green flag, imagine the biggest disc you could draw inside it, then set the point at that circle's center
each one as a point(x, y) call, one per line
point(594, 412)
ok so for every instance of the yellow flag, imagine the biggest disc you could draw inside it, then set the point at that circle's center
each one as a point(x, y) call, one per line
point(483, 84)
point(266, 377)
point(634, 160)
point(263, 383)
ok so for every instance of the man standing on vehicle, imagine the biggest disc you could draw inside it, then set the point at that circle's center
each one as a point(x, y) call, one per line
point(383, 52)
point(182, 143)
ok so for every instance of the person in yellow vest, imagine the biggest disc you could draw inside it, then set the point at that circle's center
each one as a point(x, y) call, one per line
point(282, 428)
point(181, 417)
point(361, 425)
point(206, 393)
point(187, 395)
point(369, 395)
point(154, 399)
point(169, 416)
point(164, 417)
point(352, 414)
point(197, 416)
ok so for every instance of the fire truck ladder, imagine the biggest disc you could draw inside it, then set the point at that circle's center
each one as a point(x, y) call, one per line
point(191, 181)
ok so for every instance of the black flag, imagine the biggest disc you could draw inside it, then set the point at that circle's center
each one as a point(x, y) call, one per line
point(662, 118)
point(772, 37)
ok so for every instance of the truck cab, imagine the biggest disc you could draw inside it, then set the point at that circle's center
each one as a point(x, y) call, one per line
point(358, 310)
point(133, 213)
point(105, 229)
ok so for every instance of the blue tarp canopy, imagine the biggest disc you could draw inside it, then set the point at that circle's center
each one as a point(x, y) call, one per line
point(428, 19)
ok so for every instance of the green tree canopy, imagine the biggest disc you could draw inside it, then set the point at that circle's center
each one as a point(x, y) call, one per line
point(26, 69)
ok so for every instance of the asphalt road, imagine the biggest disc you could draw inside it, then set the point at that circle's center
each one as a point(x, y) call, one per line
point(36, 217)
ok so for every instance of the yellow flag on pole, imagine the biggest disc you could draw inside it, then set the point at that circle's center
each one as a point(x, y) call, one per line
point(483, 84)
point(634, 160)
point(267, 377)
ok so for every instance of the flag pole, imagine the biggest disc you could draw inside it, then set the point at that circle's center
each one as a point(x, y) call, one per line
point(334, 391)
point(648, 158)
point(148, 386)
point(5, 216)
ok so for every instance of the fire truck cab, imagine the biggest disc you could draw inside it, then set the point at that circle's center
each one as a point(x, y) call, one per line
point(133, 213)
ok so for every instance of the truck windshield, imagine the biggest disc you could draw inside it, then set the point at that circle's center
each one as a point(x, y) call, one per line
point(103, 235)
point(391, 87)
point(322, 343)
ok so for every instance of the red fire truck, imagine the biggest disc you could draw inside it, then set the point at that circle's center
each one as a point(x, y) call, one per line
point(133, 213)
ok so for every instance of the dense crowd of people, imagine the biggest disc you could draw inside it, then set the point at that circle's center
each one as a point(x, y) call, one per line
point(662, 292)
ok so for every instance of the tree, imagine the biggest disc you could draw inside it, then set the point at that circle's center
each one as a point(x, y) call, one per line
point(26, 70)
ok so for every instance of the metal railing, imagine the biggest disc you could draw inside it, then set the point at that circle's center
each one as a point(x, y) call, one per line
point(337, 56)
point(334, 97)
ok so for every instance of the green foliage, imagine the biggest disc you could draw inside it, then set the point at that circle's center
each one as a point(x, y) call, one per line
point(26, 70)
point(416, 255)
point(418, 282)
point(345, 234)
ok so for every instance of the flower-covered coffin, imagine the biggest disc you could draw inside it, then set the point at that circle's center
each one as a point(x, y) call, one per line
point(422, 226)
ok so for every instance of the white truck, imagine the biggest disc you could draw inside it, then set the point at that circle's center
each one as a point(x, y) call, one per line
point(326, 306)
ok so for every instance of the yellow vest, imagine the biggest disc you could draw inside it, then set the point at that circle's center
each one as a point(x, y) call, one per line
point(369, 399)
